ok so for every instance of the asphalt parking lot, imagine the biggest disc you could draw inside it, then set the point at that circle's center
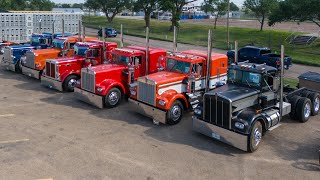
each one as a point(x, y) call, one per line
point(45, 134)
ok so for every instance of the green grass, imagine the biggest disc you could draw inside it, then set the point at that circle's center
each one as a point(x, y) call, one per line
point(291, 82)
point(197, 34)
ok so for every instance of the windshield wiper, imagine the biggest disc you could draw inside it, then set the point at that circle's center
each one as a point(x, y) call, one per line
point(173, 66)
point(248, 83)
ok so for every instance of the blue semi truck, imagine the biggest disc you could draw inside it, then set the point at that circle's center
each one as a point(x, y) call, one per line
point(13, 54)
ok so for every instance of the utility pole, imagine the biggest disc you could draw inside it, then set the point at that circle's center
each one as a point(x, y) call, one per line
point(228, 31)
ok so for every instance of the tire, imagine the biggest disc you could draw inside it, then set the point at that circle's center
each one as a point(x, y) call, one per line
point(69, 83)
point(303, 109)
point(18, 67)
point(255, 137)
point(315, 101)
point(305, 93)
point(293, 101)
point(113, 98)
point(174, 114)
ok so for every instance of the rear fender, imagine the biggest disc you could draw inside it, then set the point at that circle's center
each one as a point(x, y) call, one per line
point(108, 84)
point(170, 96)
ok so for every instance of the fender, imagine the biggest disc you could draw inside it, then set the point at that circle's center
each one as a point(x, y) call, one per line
point(170, 96)
point(68, 73)
point(108, 84)
point(250, 117)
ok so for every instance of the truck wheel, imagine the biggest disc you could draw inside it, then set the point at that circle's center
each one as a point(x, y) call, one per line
point(69, 83)
point(18, 67)
point(293, 101)
point(315, 101)
point(255, 137)
point(303, 109)
point(113, 98)
point(174, 114)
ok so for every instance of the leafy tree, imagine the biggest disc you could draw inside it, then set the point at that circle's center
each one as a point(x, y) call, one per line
point(261, 8)
point(92, 4)
point(148, 6)
point(40, 5)
point(76, 5)
point(300, 10)
point(16, 5)
point(216, 7)
point(175, 7)
point(234, 7)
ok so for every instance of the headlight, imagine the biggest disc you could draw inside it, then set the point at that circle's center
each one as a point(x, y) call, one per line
point(99, 89)
point(162, 102)
point(239, 125)
point(198, 111)
point(133, 92)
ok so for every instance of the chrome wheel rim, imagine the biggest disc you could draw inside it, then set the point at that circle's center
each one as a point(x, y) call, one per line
point(72, 83)
point(113, 98)
point(307, 110)
point(176, 112)
point(257, 136)
point(316, 104)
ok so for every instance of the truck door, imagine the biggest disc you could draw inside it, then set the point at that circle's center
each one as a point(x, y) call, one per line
point(138, 71)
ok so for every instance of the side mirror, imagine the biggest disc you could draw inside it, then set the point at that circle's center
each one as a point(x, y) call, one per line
point(136, 62)
point(199, 70)
point(68, 45)
point(47, 41)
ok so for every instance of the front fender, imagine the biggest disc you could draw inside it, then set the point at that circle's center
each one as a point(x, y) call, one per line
point(67, 73)
point(249, 117)
point(110, 83)
point(169, 97)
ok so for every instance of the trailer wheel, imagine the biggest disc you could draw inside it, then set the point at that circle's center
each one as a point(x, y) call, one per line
point(255, 137)
point(315, 101)
point(113, 98)
point(174, 114)
point(70, 82)
point(303, 109)
point(293, 101)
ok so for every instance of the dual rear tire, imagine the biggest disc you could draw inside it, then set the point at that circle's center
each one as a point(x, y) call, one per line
point(302, 107)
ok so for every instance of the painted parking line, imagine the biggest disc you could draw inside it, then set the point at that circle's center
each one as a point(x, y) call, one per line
point(14, 141)
point(6, 115)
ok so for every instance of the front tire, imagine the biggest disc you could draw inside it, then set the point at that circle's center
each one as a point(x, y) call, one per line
point(113, 98)
point(18, 67)
point(303, 109)
point(255, 137)
point(70, 82)
point(174, 114)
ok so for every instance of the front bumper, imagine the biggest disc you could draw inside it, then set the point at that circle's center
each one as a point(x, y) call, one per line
point(30, 72)
point(89, 97)
point(51, 83)
point(237, 140)
point(8, 65)
point(156, 114)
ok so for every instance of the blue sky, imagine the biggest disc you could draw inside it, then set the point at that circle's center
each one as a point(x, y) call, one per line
point(237, 2)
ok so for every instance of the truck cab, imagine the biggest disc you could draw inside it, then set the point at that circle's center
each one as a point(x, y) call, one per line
point(250, 104)
point(105, 85)
point(12, 55)
point(164, 95)
point(34, 62)
point(62, 73)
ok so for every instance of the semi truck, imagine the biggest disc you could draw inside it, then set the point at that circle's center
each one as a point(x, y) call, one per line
point(34, 61)
point(62, 73)
point(4, 44)
point(253, 102)
point(165, 95)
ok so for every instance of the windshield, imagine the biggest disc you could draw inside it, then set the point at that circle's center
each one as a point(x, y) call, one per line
point(35, 40)
point(121, 59)
point(244, 77)
point(80, 51)
point(178, 66)
point(58, 43)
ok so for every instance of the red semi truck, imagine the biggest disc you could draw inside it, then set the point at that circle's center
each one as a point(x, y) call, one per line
point(105, 85)
point(62, 73)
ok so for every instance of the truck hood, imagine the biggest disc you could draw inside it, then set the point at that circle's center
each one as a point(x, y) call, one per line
point(47, 51)
point(106, 68)
point(165, 77)
point(69, 59)
point(234, 92)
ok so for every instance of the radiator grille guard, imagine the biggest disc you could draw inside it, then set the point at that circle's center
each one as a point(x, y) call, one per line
point(88, 80)
point(217, 111)
point(30, 57)
point(146, 92)
point(51, 69)
point(7, 55)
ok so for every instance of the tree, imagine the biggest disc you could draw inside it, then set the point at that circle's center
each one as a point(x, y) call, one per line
point(148, 6)
point(216, 7)
point(66, 5)
point(234, 7)
point(76, 5)
point(308, 10)
point(40, 5)
point(175, 7)
point(112, 7)
point(261, 8)
point(16, 5)
point(92, 4)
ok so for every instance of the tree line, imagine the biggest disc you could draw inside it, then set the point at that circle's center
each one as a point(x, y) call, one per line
point(23, 5)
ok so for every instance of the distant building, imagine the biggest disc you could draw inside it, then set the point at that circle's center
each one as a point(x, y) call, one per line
point(69, 10)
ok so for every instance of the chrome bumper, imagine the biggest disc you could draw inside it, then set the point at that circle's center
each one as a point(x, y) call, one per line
point(156, 114)
point(30, 72)
point(8, 65)
point(234, 139)
point(51, 83)
point(89, 97)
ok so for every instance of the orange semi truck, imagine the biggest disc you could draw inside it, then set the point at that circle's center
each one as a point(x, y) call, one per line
point(164, 95)
point(34, 62)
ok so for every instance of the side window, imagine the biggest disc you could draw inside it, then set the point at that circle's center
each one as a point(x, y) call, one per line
point(137, 60)
point(242, 52)
point(197, 69)
point(93, 53)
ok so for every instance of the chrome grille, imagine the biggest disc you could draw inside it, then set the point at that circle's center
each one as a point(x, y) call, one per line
point(217, 111)
point(146, 93)
point(7, 55)
point(88, 80)
point(51, 69)
point(30, 57)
